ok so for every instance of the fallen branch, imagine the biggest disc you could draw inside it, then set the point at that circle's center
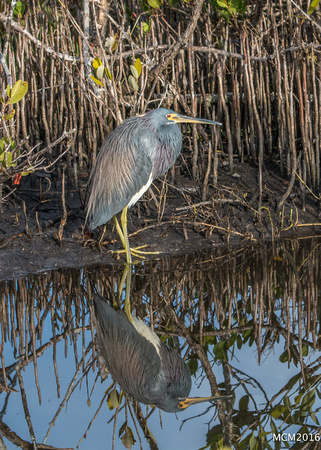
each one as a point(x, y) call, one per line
point(209, 202)
point(37, 42)
point(19, 442)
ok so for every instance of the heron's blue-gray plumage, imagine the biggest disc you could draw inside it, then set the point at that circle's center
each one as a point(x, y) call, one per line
point(153, 378)
point(140, 149)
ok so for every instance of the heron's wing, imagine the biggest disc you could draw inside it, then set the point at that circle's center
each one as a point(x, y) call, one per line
point(131, 359)
point(123, 167)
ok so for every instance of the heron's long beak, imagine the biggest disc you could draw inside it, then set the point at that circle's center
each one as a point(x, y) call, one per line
point(193, 401)
point(178, 118)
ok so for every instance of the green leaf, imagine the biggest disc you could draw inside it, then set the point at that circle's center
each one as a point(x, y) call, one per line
point(108, 73)
point(132, 83)
point(19, 9)
point(284, 357)
point(297, 398)
point(145, 27)
point(222, 4)
point(155, 3)
point(134, 72)
point(97, 62)
point(6, 158)
point(287, 402)
point(219, 350)
point(10, 115)
point(308, 400)
point(305, 350)
point(192, 365)
point(314, 418)
point(113, 399)
point(6, 142)
point(100, 72)
point(244, 403)
point(8, 91)
point(262, 434)
point(253, 442)
point(313, 6)
point(273, 427)
point(96, 80)
point(19, 90)
point(292, 381)
point(278, 411)
point(214, 435)
point(138, 66)
point(226, 15)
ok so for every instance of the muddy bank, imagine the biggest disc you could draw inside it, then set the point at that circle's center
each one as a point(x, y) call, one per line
point(170, 220)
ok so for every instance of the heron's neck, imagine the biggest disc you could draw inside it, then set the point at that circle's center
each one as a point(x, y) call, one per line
point(170, 144)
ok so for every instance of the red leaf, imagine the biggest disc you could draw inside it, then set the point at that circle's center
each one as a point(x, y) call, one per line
point(17, 179)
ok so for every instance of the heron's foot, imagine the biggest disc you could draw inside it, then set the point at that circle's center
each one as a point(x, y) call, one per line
point(137, 252)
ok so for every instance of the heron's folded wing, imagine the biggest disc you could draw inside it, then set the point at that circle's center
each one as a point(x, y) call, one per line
point(131, 359)
point(123, 167)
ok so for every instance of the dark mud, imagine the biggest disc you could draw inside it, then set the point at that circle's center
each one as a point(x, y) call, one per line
point(171, 221)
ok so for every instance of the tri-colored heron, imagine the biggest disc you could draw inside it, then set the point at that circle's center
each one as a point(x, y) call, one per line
point(146, 368)
point(141, 149)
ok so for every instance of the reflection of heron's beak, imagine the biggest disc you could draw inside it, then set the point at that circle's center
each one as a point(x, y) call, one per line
point(193, 401)
point(178, 118)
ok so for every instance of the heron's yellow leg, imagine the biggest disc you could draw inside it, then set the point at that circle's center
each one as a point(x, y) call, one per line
point(123, 234)
point(123, 221)
point(119, 230)
point(134, 251)
point(128, 309)
point(137, 252)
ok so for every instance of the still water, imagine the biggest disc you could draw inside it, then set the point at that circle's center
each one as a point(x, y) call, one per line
point(246, 321)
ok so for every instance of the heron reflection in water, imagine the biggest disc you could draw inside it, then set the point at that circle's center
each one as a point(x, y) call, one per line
point(136, 153)
point(144, 367)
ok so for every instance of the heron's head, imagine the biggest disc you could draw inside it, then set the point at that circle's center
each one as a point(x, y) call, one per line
point(186, 402)
point(163, 116)
point(171, 404)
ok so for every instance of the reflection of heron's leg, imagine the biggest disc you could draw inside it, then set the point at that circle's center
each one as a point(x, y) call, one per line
point(128, 309)
point(126, 276)
point(122, 282)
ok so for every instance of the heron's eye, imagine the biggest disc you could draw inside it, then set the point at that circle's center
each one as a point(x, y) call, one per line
point(180, 405)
